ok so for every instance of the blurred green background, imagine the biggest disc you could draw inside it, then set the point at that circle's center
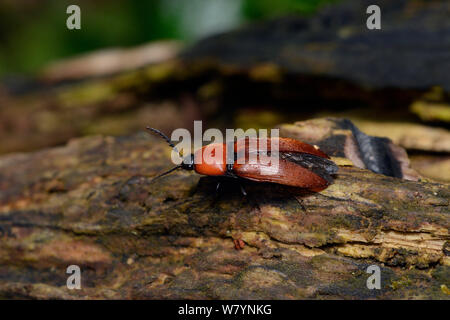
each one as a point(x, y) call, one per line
point(33, 32)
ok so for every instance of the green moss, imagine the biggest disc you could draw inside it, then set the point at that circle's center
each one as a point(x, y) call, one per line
point(89, 93)
point(400, 283)
point(431, 111)
point(442, 274)
point(445, 289)
point(348, 221)
point(160, 72)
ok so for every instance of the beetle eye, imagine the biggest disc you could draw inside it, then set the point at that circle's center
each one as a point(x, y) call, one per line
point(188, 162)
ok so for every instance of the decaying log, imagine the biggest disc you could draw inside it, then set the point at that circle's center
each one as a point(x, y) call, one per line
point(434, 167)
point(341, 138)
point(414, 137)
point(409, 135)
point(90, 203)
point(337, 43)
point(109, 61)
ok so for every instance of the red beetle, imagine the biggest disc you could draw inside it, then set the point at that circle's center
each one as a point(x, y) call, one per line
point(299, 164)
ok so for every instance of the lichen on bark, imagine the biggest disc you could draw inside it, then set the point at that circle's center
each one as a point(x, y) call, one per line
point(91, 203)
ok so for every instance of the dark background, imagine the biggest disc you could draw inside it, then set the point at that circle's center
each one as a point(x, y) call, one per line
point(33, 32)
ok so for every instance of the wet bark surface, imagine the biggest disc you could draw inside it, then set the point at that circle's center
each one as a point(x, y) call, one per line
point(91, 203)
point(409, 51)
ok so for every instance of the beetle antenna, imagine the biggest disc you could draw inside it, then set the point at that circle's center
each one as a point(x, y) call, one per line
point(164, 173)
point(162, 135)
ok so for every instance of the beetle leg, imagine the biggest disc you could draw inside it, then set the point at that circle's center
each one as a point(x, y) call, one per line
point(300, 202)
point(231, 175)
point(217, 187)
point(242, 190)
point(249, 198)
point(217, 194)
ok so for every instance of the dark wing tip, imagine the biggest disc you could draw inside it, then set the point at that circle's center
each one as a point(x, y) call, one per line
point(323, 167)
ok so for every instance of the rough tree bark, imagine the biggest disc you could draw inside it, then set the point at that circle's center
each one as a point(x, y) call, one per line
point(90, 203)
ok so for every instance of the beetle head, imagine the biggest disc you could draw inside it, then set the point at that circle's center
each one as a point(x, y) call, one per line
point(188, 162)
